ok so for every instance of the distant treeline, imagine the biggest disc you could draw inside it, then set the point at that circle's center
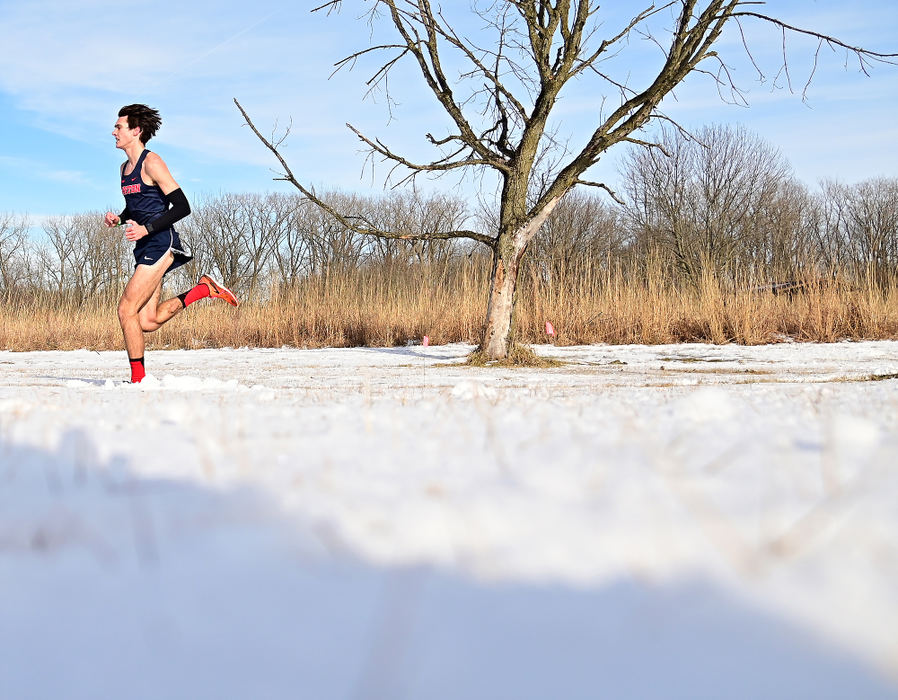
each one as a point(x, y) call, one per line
point(723, 203)
point(700, 221)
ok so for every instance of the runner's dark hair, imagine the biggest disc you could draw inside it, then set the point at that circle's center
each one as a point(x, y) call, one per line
point(146, 118)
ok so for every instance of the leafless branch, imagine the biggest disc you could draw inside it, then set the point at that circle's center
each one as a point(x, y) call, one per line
point(380, 148)
point(861, 53)
point(357, 223)
point(603, 186)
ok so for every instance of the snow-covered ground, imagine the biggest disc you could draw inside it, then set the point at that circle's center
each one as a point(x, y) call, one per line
point(681, 521)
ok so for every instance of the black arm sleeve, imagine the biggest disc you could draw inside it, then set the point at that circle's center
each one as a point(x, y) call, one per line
point(125, 215)
point(180, 208)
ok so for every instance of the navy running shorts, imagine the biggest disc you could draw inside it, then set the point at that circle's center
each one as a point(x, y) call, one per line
point(150, 249)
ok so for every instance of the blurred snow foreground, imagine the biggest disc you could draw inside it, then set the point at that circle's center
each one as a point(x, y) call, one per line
point(681, 521)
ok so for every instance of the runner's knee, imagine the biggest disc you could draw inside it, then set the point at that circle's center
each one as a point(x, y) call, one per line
point(126, 309)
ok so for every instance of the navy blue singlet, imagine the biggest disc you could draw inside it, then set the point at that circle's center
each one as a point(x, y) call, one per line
point(145, 203)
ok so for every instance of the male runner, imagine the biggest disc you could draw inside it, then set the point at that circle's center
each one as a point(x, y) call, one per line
point(149, 189)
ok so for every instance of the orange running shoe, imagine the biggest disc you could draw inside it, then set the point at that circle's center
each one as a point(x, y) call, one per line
point(219, 291)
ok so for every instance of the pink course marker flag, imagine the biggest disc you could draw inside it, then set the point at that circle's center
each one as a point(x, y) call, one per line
point(550, 329)
point(426, 341)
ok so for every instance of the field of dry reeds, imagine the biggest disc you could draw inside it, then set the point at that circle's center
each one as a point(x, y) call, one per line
point(380, 307)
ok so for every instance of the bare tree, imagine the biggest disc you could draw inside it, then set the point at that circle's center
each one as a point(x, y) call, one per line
point(59, 260)
point(82, 257)
point(784, 246)
point(410, 212)
point(107, 258)
point(859, 227)
point(703, 200)
point(583, 233)
point(335, 246)
point(12, 251)
point(831, 238)
point(292, 249)
point(501, 103)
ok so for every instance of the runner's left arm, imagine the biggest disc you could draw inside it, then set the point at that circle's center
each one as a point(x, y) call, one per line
point(180, 208)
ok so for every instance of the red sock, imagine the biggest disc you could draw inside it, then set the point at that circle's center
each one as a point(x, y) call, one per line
point(201, 291)
point(137, 370)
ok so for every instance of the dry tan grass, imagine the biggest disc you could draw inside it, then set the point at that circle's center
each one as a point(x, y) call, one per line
point(652, 311)
point(380, 308)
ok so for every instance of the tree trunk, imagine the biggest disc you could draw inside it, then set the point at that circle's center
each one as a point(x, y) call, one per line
point(507, 256)
point(503, 285)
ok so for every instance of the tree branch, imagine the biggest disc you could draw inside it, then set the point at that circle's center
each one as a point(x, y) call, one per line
point(358, 224)
point(441, 165)
point(857, 50)
point(603, 186)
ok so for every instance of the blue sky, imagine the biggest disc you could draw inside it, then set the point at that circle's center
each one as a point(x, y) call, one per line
point(66, 68)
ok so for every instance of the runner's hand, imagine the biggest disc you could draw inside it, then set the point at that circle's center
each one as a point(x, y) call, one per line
point(134, 231)
point(111, 219)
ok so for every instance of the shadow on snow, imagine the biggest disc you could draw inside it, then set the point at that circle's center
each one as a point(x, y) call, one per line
point(113, 584)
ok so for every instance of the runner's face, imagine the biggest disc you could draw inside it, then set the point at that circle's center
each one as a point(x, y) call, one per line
point(123, 135)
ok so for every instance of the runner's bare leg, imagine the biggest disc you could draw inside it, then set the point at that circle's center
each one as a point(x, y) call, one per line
point(154, 314)
point(145, 285)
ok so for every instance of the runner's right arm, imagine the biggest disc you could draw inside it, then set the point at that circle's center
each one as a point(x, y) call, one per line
point(112, 220)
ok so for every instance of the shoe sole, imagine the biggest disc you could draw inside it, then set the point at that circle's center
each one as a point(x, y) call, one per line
point(219, 291)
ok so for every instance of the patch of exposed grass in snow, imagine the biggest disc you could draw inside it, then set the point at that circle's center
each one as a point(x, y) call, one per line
point(518, 356)
point(881, 377)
